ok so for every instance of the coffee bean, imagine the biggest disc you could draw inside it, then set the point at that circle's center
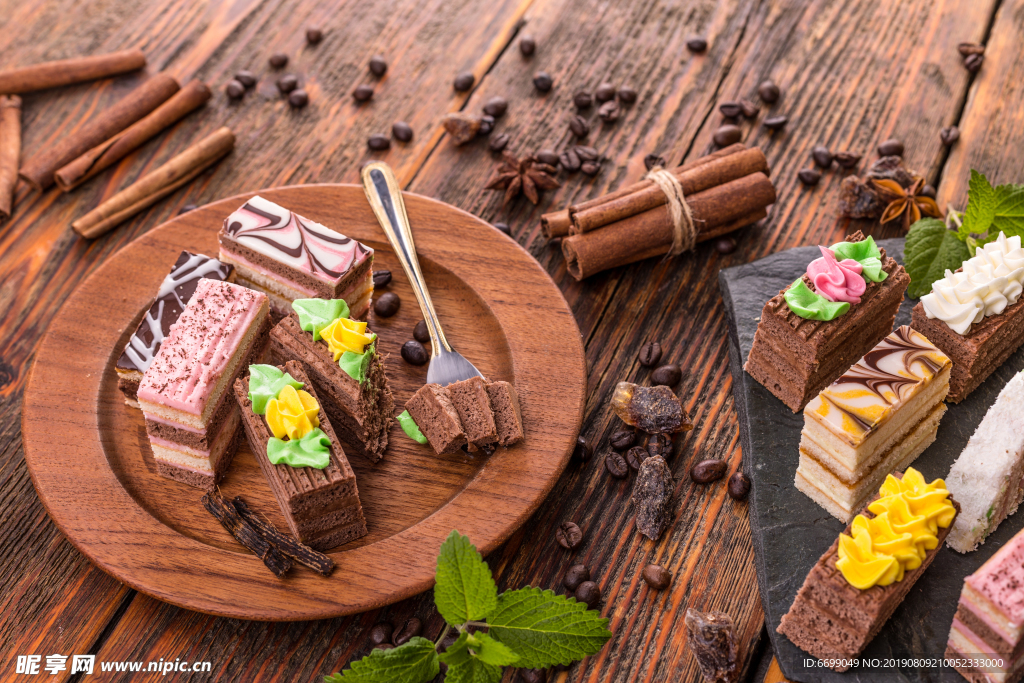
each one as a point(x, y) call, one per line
point(499, 142)
point(667, 375)
point(577, 574)
point(650, 354)
point(287, 83)
point(378, 142)
point(383, 646)
point(420, 332)
point(928, 191)
point(187, 208)
point(569, 535)
point(727, 135)
point(496, 107)
point(378, 65)
point(768, 92)
point(604, 93)
point(622, 439)
point(246, 78)
point(381, 278)
point(822, 157)
point(534, 675)
point(362, 93)
point(278, 60)
point(527, 45)
point(616, 465)
point(890, 148)
point(949, 135)
point(387, 304)
point(750, 110)
point(542, 81)
point(652, 160)
point(381, 633)
point(847, 159)
point(775, 122)
point(609, 111)
point(298, 98)
point(730, 110)
point(412, 628)
point(707, 471)
point(590, 168)
point(486, 125)
point(547, 156)
point(660, 444)
point(402, 131)
point(656, 576)
point(588, 593)
point(314, 35)
point(582, 451)
point(739, 486)
point(974, 62)
point(570, 161)
point(234, 89)
point(587, 153)
point(696, 44)
point(503, 227)
point(464, 81)
point(413, 353)
point(967, 49)
point(809, 176)
point(627, 95)
point(579, 126)
point(583, 100)
point(725, 245)
point(635, 457)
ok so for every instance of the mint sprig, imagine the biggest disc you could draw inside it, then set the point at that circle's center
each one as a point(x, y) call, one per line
point(529, 627)
point(930, 250)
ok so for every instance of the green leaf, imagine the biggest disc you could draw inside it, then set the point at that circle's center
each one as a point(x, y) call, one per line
point(545, 629)
point(1009, 214)
point(457, 652)
point(312, 450)
point(811, 305)
point(991, 210)
point(491, 651)
point(414, 662)
point(265, 383)
point(473, 670)
point(465, 589)
point(316, 314)
point(930, 250)
point(981, 206)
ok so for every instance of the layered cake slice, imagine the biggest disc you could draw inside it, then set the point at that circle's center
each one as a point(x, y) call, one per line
point(432, 410)
point(290, 257)
point(340, 355)
point(185, 394)
point(507, 415)
point(299, 453)
point(471, 413)
point(876, 418)
point(171, 299)
point(857, 584)
point(975, 315)
point(810, 332)
point(989, 619)
point(474, 408)
point(988, 477)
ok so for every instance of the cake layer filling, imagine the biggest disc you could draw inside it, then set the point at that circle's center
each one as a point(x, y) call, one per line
point(203, 462)
point(983, 621)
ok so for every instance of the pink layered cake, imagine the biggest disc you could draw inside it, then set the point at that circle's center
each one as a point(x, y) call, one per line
point(185, 394)
point(290, 257)
point(989, 619)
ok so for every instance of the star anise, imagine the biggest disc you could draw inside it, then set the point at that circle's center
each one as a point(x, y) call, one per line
point(527, 176)
point(907, 203)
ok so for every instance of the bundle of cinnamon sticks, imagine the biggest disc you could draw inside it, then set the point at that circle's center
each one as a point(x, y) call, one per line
point(724, 191)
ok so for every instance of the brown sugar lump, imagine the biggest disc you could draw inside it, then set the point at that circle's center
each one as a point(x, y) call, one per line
point(508, 417)
point(474, 408)
point(432, 409)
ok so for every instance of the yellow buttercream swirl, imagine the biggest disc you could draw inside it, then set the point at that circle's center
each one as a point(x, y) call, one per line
point(905, 527)
point(292, 414)
point(346, 335)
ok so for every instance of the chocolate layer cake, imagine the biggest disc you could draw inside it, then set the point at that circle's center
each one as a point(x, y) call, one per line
point(290, 257)
point(185, 394)
point(508, 417)
point(795, 357)
point(474, 408)
point(435, 414)
point(321, 506)
point(473, 413)
point(171, 299)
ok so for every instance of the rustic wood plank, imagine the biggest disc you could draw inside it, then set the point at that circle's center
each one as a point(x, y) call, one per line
point(774, 674)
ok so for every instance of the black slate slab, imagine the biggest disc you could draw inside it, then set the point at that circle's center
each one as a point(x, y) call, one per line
point(791, 532)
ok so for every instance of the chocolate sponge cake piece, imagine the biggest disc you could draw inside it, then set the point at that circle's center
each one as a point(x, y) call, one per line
point(473, 405)
point(432, 409)
point(508, 417)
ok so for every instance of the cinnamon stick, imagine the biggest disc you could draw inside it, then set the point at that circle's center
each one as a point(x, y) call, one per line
point(188, 99)
point(715, 211)
point(714, 172)
point(156, 185)
point(38, 170)
point(68, 71)
point(10, 151)
point(246, 534)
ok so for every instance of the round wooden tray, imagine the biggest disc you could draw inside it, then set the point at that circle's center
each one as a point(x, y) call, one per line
point(90, 460)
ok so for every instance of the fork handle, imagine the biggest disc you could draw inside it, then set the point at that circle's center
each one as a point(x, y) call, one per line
point(385, 197)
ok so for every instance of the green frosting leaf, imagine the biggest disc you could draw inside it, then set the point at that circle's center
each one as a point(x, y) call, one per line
point(357, 364)
point(931, 249)
point(866, 253)
point(411, 429)
point(265, 383)
point(413, 662)
point(811, 305)
point(464, 589)
point(312, 450)
point(316, 314)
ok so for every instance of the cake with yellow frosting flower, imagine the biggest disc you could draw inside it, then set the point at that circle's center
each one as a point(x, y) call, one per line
point(340, 355)
point(299, 453)
point(859, 582)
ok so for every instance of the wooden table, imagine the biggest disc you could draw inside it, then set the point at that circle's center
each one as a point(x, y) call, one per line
point(852, 72)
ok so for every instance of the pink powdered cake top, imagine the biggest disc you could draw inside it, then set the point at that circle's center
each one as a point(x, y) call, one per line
point(1001, 579)
point(193, 357)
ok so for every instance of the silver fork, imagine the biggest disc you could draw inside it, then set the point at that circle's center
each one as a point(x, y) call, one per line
point(385, 196)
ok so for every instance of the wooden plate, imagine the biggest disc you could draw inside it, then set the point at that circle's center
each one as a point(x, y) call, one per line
point(90, 460)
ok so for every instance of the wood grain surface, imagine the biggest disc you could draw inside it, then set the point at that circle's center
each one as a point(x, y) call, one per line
point(853, 73)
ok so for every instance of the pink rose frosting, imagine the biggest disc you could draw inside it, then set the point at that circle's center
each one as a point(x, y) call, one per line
point(836, 280)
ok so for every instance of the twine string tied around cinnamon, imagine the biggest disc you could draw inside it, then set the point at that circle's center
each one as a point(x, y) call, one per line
point(684, 233)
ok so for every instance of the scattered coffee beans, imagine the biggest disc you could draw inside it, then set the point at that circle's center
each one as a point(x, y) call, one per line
point(486, 125)
point(809, 176)
point(616, 465)
point(534, 675)
point(768, 92)
point(609, 111)
point(707, 471)
point(383, 646)
point(627, 95)
point(287, 83)
point(635, 457)
point(381, 633)
point(890, 148)
point(362, 93)
point(583, 100)
point(622, 439)
point(582, 451)
point(652, 160)
point(187, 208)
point(847, 159)
point(464, 81)
point(278, 60)
point(775, 122)
point(547, 156)
point(667, 375)
point(968, 49)
point(420, 332)
point(234, 89)
point(650, 354)
point(974, 62)
point(413, 353)
point(378, 66)
point(579, 126)
point(381, 278)
point(590, 168)
point(298, 98)
point(604, 92)
point(588, 593)
point(496, 106)
point(726, 135)
point(822, 157)
point(412, 628)
point(725, 245)
point(378, 142)
point(387, 304)
point(570, 160)
point(750, 110)
point(499, 142)
point(246, 78)
point(587, 153)
point(949, 135)
point(656, 576)
point(568, 535)
point(659, 444)
point(577, 574)
point(503, 227)
point(527, 45)
point(730, 110)
point(696, 44)
point(402, 131)
point(314, 35)
point(542, 81)
point(739, 486)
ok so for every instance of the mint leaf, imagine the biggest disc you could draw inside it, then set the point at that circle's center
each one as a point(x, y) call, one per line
point(981, 206)
point(458, 652)
point(1009, 213)
point(930, 250)
point(414, 662)
point(473, 670)
point(545, 629)
point(465, 588)
point(491, 651)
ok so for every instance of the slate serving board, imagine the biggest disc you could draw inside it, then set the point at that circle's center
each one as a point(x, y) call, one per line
point(791, 532)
